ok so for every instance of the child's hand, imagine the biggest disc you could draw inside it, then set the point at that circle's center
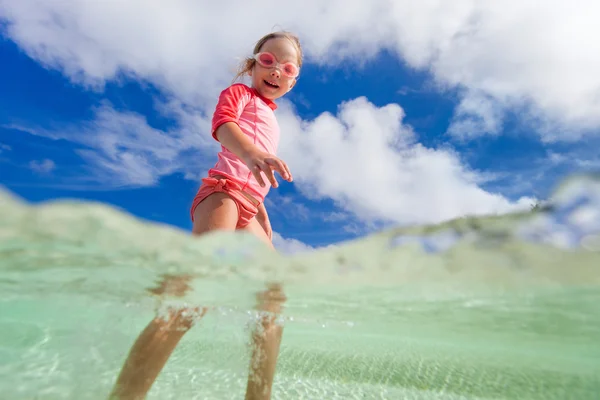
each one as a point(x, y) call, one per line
point(260, 161)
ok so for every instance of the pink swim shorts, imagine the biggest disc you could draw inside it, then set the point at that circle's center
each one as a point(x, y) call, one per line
point(246, 208)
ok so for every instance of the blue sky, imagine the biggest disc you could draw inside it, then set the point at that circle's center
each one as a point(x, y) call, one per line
point(458, 138)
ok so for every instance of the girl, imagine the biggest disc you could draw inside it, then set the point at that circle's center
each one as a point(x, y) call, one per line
point(231, 198)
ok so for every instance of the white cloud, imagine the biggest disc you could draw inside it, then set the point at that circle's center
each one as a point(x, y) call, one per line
point(123, 150)
point(476, 115)
point(335, 216)
point(576, 159)
point(289, 245)
point(370, 163)
point(540, 56)
point(42, 167)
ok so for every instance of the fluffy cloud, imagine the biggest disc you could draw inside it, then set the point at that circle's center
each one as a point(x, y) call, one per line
point(538, 57)
point(371, 164)
point(542, 58)
point(289, 246)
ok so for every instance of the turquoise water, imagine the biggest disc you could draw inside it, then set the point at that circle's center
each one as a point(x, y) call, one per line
point(483, 308)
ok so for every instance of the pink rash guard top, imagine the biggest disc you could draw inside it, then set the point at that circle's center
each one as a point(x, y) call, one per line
point(255, 116)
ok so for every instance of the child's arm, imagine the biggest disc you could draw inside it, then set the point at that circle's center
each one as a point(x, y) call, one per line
point(226, 130)
point(263, 219)
point(231, 136)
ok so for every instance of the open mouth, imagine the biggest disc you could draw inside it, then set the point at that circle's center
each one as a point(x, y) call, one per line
point(271, 84)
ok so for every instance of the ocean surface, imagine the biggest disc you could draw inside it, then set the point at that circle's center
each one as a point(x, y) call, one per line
point(499, 307)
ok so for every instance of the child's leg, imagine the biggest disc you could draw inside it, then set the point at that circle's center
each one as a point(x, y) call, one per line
point(149, 354)
point(157, 341)
point(266, 338)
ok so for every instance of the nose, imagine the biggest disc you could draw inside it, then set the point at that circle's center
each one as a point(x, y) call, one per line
point(275, 72)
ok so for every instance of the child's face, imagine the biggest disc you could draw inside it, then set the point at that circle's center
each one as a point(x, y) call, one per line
point(264, 78)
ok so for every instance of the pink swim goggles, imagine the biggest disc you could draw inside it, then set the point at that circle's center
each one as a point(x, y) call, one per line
point(268, 60)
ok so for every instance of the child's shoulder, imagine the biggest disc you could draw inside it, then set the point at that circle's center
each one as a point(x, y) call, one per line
point(242, 92)
point(239, 87)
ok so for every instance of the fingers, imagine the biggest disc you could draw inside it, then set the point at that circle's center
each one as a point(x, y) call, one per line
point(280, 167)
point(287, 174)
point(270, 174)
point(256, 172)
point(267, 166)
point(266, 169)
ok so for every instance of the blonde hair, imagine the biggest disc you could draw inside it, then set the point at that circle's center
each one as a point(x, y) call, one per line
point(247, 64)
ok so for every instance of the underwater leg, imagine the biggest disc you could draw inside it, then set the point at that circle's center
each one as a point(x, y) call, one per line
point(266, 340)
point(149, 354)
